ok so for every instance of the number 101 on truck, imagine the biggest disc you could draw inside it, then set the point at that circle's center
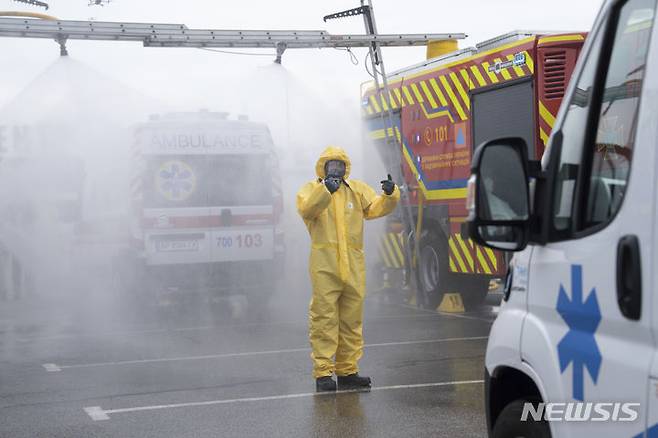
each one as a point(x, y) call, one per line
point(443, 108)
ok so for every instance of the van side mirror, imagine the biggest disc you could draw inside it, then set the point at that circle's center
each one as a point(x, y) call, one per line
point(498, 200)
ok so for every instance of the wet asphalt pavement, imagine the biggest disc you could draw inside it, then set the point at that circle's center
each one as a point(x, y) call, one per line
point(200, 371)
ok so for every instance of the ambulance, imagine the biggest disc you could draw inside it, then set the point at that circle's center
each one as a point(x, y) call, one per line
point(207, 205)
point(573, 351)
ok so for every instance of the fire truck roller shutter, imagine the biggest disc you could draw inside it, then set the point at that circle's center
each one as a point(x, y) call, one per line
point(504, 111)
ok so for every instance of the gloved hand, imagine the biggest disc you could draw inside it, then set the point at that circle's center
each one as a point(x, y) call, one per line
point(332, 184)
point(388, 186)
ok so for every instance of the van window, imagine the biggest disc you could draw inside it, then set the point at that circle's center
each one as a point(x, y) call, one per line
point(222, 180)
point(606, 153)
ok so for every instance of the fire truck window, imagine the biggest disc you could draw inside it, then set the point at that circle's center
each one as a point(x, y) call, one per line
point(613, 149)
point(573, 130)
point(239, 180)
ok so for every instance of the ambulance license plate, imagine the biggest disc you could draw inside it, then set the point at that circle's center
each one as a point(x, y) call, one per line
point(176, 245)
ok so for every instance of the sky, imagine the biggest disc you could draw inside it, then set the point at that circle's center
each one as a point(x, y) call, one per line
point(187, 76)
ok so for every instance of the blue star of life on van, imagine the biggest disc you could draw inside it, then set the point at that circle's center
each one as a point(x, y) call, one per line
point(578, 347)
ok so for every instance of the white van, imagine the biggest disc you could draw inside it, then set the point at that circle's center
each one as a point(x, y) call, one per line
point(573, 350)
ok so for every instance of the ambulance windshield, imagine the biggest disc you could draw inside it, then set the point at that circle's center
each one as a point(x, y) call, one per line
point(173, 181)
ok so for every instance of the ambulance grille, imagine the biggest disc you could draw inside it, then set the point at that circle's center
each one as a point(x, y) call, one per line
point(555, 77)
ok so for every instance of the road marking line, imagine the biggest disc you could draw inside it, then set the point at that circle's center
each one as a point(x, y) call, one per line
point(52, 367)
point(186, 329)
point(98, 414)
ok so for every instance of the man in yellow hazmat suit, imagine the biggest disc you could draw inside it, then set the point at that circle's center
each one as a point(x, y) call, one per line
point(333, 208)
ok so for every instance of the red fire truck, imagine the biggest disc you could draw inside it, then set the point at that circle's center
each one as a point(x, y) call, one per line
point(442, 109)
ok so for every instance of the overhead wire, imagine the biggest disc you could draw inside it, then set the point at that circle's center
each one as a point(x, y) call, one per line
point(231, 52)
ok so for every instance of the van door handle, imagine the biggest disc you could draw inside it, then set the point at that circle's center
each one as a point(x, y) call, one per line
point(629, 277)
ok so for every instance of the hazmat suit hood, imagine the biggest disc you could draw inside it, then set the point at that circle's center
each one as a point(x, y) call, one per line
point(333, 153)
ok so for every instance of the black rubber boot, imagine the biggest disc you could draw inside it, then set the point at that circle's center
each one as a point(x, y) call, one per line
point(354, 381)
point(325, 384)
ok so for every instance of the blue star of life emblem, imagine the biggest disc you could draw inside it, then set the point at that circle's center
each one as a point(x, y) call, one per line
point(578, 347)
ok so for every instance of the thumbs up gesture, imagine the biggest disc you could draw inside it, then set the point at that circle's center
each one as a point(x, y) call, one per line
point(388, 186)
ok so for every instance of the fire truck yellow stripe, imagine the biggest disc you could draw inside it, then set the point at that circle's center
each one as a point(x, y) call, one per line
point(560, 38)
point(389, 250)
point(492, 75)
point(453, 97)
point(503, 71)
point(369, 110)
point(453, 267)
point(460, 89)
point(405, 90)
point(384, 103)
point(529, 62)
point(391, 99)
point(383, 252)
point(467, 78)
point(543, 136)
point(483, 262)
point(518, 70)
point(374, 103)
point(455, 253)
point(492, 257)
point(546, 114)
point(438, 91)
point(399, 96)
point(466, 253)
point(419, 97)
point(476, 72)
point(397, 247)
point(428, 94)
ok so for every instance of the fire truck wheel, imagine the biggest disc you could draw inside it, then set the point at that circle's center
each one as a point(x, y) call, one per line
point(432, 267)
point(473, 289)
point(509, 424)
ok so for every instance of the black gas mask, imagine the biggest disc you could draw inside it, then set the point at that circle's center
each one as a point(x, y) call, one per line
point(334, 169)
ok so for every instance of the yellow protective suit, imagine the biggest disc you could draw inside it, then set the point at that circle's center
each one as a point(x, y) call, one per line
point(337, 267)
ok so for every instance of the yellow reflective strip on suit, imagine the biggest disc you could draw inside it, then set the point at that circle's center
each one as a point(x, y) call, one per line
point(428, 94)
point(476, 72)
point(491, 74)
point(503, 71)
point(399, 96)
point(543, 136)
point(453, 97)
point(460, 90)
point(374, 103)
point(560, 38)
point(410, 99)
point(419, 97)
point(455, 253)
point(396, 246)
point(529, 61)
point(483, 263)
point(438, 92)
point(467, 253)
point(546, 114)
point(492, 257)
point(467, 78)
point(518, 70)
point(389, 250)
point(394, 104)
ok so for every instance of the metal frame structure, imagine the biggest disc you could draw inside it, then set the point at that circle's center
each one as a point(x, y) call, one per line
point(179, 35)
